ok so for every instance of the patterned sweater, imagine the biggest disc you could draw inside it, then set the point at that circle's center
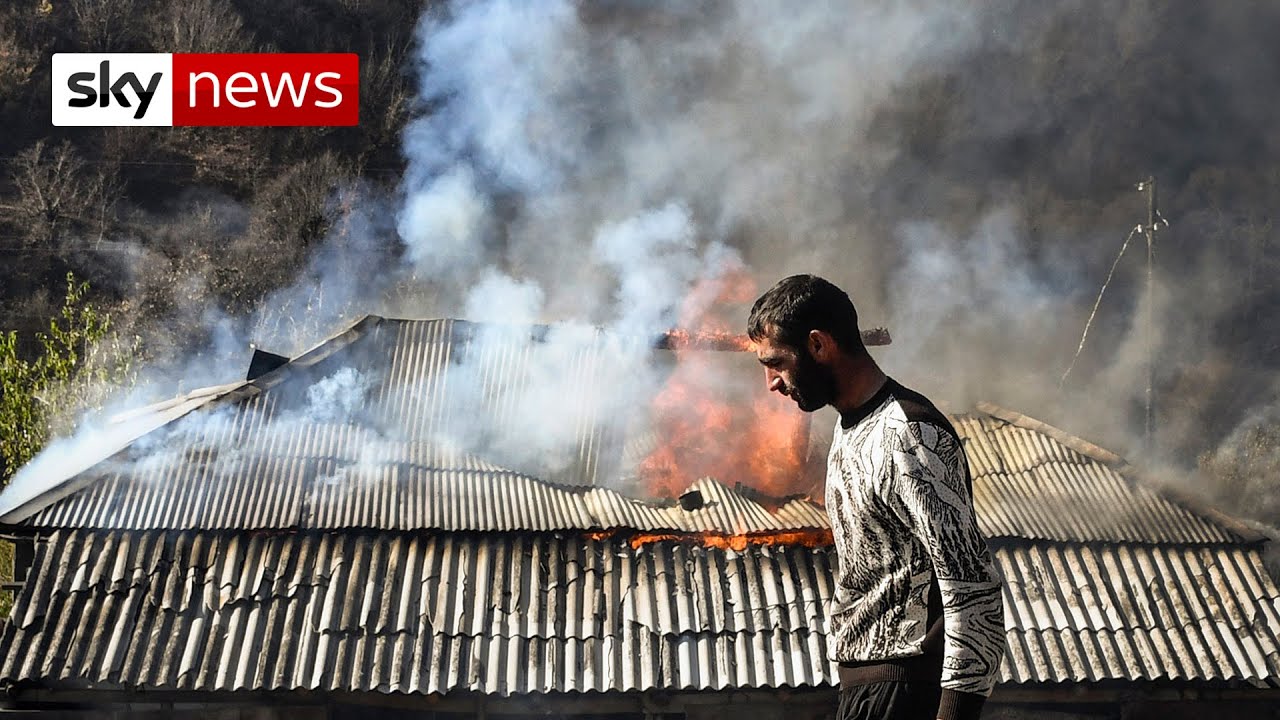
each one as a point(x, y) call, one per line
point(900, 499)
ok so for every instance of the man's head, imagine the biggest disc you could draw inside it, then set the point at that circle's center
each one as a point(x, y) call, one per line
point(802, 327)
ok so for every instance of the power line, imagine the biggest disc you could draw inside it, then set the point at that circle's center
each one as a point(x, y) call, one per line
point(164, 163)
point(1089, 323)
point(1148, 229)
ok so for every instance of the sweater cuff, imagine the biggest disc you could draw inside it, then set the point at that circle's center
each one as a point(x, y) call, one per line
point(956, 705)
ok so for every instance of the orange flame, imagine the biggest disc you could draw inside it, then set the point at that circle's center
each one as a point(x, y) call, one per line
point(759, 439)
point(811, 537)
point(806, 538)
point(685, 340)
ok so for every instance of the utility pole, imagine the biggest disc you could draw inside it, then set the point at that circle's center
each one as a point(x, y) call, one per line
point(1153, 216)
point(1148, 229)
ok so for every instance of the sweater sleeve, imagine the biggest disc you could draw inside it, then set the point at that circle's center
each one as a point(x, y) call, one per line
point(935, 500)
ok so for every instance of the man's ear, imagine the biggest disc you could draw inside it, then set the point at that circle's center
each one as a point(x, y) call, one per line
point(822, 346)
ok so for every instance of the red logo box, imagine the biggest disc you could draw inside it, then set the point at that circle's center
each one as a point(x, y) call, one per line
point(262, 89)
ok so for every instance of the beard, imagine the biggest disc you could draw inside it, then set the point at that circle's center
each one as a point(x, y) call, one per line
point(814, 385)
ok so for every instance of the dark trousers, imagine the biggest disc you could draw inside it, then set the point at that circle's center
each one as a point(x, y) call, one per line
point(890, 700)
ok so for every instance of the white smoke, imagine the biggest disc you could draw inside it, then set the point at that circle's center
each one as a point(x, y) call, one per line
point(500, 298)
point(957, 298)
point(653, 257)
point(65, 457)
point(588, 164)
point(338, 397)
point(444, 223)
point(592, 168)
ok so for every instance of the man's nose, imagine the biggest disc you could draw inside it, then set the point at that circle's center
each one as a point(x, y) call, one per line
point(772, 380)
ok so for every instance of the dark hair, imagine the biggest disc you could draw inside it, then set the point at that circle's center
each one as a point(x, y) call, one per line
point(801, 303)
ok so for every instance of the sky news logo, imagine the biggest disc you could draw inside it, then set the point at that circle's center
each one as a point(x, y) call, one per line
point(178, 89)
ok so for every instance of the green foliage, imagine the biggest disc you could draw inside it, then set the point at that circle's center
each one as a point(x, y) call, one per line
point(77, 362)
point(6, 575)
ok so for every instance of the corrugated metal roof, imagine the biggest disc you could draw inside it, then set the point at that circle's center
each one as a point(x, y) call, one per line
point(520, 613)
point(498, 614)
point(248, 458)
point(1089, 613)
point(1029, 482)
point(334, 476)
point(461, 493)
point(417, 382)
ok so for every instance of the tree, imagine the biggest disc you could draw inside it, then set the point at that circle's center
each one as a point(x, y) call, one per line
point(290, 214)
point(105, 25)
point(79, 360)
point(17, 62)
point(198, 26)
point(58, 193)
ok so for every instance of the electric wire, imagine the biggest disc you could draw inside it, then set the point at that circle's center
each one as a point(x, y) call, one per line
point(1096, 303)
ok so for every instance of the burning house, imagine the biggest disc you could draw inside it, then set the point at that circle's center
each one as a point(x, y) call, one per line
point(319, 541)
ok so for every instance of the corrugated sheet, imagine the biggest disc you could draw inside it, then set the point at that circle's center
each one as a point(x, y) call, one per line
point(334, 476)
point(413, 383)
point(1089, 613)
point(253, 459)
point(520, 613)
point(430, 362)
point(310, 493)
point(416, 614)
point(1028, 485)
point(268, 455)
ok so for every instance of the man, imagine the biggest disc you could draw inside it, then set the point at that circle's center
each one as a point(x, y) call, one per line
point(917, 621)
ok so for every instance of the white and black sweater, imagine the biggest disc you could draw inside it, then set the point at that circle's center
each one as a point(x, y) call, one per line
point(915, 577)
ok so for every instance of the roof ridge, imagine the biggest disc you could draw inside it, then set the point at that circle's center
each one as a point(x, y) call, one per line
point(206, 392)
point(1074, 442)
